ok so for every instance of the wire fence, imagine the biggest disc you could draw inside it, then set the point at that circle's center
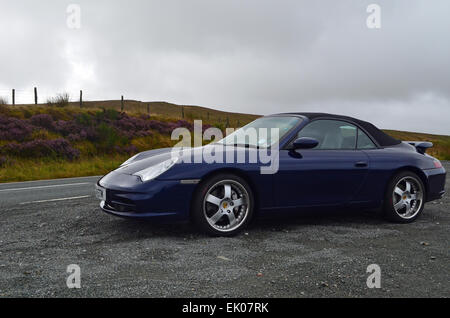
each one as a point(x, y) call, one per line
point(30, 95)
point(35, 95)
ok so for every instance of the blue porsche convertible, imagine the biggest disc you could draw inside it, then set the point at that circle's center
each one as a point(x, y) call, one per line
point(322, 160)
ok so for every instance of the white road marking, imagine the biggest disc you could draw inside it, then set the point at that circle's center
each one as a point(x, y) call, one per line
point(50, 180)
point(49, 186)
point(56, 200)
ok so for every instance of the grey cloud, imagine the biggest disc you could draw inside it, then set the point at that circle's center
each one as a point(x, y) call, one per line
point(249, 56)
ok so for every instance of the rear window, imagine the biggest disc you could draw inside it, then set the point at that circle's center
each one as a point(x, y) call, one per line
point(364, 142)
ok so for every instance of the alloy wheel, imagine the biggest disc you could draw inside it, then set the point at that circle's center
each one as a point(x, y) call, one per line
point(407, 197)
point(226, 205)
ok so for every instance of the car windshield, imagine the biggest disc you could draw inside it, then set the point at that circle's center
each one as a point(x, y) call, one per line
point(262, 133)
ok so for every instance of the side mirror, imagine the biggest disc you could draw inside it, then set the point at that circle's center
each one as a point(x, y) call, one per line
point(305, 143)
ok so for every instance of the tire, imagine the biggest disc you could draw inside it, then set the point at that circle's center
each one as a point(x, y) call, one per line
point(223, 205)
point(405, 198)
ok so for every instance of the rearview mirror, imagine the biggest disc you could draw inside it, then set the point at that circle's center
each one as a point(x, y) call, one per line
point(305, 143)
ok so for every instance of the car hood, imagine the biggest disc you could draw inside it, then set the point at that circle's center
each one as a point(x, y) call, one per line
point(145, 159)
point(153, 157)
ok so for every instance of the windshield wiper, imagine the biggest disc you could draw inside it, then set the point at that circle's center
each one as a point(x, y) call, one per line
point(246, 145)
point(237, 145)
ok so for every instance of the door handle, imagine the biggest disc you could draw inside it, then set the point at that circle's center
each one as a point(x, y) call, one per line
point(361, 164)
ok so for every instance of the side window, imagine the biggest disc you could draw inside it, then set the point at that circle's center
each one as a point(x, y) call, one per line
point(364, 141)
point(331, 134)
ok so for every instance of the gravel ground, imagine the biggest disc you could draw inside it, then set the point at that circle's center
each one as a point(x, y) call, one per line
point(322, 255)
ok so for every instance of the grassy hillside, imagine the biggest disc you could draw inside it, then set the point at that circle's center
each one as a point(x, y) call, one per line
point(63, 140)
point(164, 109)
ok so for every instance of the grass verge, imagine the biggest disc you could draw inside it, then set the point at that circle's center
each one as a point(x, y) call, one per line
point(29, 170)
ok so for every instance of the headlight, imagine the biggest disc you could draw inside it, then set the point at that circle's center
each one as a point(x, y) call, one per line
point(129, 160)
point(154, 171)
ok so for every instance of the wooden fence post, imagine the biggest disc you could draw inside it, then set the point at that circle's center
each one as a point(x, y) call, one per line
point(121, 105)
point(148, 109)
point(13, 96)
point(81, 98)
point(228, 122)
point(35, 96)
point(182, 112)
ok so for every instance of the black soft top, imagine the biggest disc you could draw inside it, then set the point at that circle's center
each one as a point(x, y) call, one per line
point(383, 139)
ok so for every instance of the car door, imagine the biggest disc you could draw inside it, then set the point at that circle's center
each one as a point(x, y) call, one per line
point(330, 174)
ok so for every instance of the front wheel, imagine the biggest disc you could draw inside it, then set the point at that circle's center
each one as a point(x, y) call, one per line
point(223, 205)
point(404, 201)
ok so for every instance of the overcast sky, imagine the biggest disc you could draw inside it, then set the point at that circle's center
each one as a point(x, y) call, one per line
point(250, 56)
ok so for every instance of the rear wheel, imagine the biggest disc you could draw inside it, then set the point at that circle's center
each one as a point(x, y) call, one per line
point(223, 205)
point(404, 201)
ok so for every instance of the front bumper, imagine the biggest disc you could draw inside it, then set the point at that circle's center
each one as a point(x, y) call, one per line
point(126, 196)
point(166, 216)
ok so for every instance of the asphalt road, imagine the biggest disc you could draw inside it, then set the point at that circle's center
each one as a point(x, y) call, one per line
point(47, 225)
point(23, 193)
